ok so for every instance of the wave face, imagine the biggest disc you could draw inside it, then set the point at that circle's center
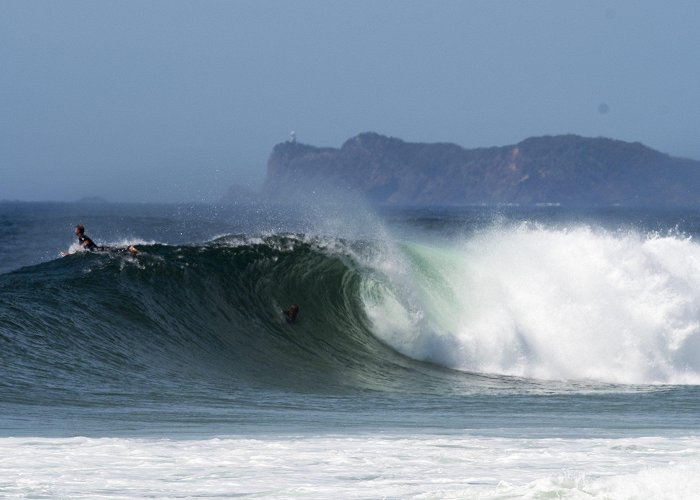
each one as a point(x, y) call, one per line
point(578, 304)
point(177, 313)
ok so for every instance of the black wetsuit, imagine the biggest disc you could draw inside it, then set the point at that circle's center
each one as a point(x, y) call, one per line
point(87, 243)
point(291, 313)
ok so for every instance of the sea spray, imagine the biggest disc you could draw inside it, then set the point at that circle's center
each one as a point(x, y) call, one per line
point(529, 301)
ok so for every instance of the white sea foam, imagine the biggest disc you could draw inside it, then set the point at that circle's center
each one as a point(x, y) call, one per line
point(578, 303)
point(351, 467)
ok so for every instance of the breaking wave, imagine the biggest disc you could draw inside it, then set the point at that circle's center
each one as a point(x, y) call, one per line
point(520, 303)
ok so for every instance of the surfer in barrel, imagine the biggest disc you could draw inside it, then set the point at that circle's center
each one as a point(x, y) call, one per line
point(291, 313)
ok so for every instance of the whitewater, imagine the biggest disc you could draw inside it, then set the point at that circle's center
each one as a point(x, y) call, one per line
point(575, 304)
point(439, 353)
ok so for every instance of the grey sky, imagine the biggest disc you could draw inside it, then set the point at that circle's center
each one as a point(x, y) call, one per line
point(172, 100)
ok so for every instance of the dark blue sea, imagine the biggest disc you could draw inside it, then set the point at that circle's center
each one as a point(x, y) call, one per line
point(438, 353)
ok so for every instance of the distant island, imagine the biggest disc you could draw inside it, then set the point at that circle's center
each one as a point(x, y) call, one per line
point(92, 200)
point(565, 170)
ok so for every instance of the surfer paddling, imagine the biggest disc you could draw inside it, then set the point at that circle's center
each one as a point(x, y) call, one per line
point(86, 243)
point(83, 240)
point(291, 313)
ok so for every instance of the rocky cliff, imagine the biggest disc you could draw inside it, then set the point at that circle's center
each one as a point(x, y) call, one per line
point(567, 170)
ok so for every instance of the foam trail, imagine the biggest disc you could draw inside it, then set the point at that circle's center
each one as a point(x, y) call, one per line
point(529, 301)
point(430, 466)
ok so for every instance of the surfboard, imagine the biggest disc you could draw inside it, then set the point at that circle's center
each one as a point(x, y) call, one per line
point(130, 249)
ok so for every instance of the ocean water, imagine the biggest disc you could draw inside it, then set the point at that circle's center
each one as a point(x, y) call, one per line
point(439, 353)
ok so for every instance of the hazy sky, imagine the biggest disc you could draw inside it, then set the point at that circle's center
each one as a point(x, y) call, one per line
point(172, 100)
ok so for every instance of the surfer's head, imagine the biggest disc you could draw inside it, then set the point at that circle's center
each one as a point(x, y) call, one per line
point(292, 312)
point(79, 229)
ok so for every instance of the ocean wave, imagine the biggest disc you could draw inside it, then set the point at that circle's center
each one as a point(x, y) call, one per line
point(212, 313)
point(520, 304)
